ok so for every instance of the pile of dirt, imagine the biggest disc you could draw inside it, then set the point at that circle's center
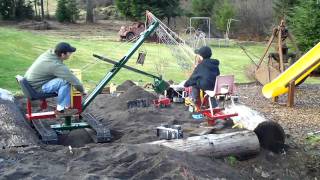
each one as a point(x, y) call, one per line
point(135, 125)
point(14, 130)
point(119, 161)
point(125, 85)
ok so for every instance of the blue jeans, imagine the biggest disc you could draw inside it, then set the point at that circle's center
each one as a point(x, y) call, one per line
point(196, 96)
point(62, 88)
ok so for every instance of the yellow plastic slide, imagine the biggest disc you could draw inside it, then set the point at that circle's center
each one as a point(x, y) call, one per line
point(278, 85)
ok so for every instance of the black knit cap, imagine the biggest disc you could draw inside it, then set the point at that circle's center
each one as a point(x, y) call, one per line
point(204, 51)
point(64, 47)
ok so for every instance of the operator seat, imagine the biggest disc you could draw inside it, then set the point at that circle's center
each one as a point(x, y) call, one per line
point(31, 93)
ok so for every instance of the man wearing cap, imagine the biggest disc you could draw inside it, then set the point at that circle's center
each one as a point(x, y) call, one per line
point(204, 75)
point(48, 74)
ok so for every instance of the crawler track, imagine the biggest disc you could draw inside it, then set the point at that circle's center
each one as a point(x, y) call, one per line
point(102, 133)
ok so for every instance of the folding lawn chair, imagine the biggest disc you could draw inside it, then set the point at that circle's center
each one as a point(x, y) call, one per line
point(224, 86)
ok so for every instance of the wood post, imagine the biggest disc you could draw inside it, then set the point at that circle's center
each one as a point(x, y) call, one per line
point(280, 49)
point(291, 90)
point(275, 99)
point(274, 32)
point(240, 143)
point(291, 85)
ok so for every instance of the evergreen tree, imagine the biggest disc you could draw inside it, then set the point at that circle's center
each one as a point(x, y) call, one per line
point(7, 9)
point(23, 10)
point(67, 11)
point(73, 10)
point(15, 9)
point(124, 7)
point(170, 9)
point(135, 9)
point(222, 12)
point(62, 11)
point(282, 8)
point(202, 8)
point(304, 23)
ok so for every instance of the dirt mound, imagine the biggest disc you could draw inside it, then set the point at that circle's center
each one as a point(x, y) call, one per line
point(108, 103)
point(135, 125)
point(125, 85)
point(133, 93)
point(136, 92)
point(14, 130)
point(114, 161)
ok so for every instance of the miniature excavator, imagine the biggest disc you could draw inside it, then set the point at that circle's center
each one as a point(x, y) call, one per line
point(266, 72)
point(159, 84)
point(49, 133)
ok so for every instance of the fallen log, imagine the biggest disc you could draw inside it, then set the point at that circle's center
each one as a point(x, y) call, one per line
point(270, 134)
point(240, 143)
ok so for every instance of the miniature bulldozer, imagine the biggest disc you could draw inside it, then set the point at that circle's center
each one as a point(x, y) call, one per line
point(49, 133)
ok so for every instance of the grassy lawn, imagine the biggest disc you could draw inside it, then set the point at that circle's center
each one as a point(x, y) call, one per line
point(18, 49)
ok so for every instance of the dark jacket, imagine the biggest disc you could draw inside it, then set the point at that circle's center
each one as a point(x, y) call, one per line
point(204, 75)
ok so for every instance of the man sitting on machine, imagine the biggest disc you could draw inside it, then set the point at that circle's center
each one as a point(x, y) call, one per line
point(49, 74)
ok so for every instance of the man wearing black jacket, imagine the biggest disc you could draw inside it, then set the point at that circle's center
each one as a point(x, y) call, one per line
point(204, 75)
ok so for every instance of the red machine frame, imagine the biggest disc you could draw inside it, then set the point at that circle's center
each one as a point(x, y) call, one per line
point(76, 104)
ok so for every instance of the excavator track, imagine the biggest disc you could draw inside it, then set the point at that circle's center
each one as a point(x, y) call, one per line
point(48, 135)
point(102, 133)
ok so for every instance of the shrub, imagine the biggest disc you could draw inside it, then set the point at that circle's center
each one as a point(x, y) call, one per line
point(15, 10)
point(67, 11)
point(304, 22)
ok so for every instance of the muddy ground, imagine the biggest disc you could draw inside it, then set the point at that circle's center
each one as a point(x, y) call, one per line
point(126, 157)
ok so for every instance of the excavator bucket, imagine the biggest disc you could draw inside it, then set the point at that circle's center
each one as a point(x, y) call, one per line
point(141, 58)
point(160, 85)
point(265, 74)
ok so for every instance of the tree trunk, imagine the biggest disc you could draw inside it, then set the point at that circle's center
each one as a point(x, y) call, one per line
point(42, 10)
point(35, 7)
point(39, 8)
point(13, 15)
point(89, 17)
point(48, 13)
point(241, 143)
